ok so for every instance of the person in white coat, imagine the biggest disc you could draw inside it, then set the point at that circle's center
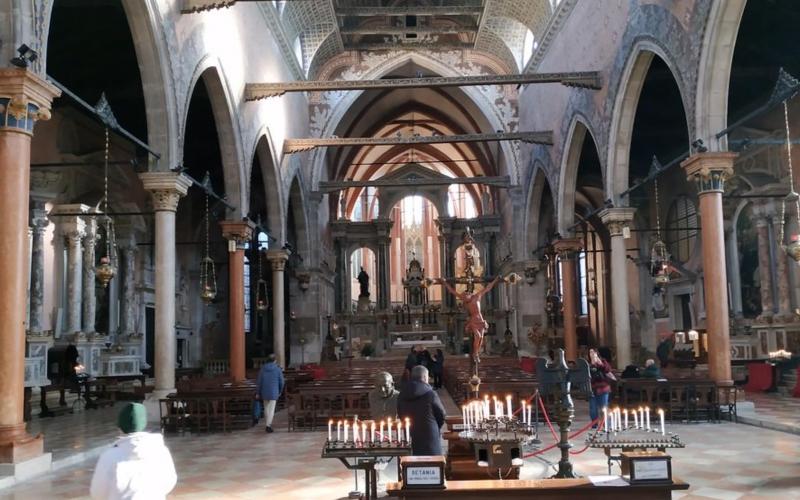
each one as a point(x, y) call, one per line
point(138, 466)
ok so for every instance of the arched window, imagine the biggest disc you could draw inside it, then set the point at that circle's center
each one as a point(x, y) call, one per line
point(682, 224)
point(460, 203)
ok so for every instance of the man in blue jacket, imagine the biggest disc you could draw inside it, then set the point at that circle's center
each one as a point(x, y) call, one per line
point(269, 388)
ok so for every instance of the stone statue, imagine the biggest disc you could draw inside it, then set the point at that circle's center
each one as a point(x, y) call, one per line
point(383, 398)
point(476, 326)
point(363, 281)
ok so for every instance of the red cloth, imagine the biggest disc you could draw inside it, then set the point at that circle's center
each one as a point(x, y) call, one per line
point(796, 392)
point(527, 364)
point(759, 377)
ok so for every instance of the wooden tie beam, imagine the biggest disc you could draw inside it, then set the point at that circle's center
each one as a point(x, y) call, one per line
point(333, 186)
point(583, 79)
point(291, 146)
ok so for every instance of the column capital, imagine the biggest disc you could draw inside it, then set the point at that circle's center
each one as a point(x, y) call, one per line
point(709, 170)
point(567, 248)
point(167, 189)
point(239, 231)
point(617, 218)
point(278, 258)
point(25, 98)
point(70, 220)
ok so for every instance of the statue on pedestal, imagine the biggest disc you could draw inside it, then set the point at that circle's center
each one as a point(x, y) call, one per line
point(363, 281)
point(415, 283)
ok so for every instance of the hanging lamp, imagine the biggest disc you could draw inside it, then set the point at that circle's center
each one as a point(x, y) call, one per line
point(792, 249)
point(208, 275)
point(262, 300)
point(659, 257)
point(107, 268)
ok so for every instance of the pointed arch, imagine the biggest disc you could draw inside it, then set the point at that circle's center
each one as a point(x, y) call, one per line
point(534, 213)
point(568, 173)
point(223, 106)
point(264, 150)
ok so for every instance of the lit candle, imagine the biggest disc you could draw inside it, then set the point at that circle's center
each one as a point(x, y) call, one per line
point(372, 432)
point(625, 412)
point(339, 430)
point(408, 430)
point(355, 429)
point(618, 418)
point(464, 416)
point(389, 427)
point(346, 425)
point(399, 431)
point(382, 433)
point(508, 406)
point(363, 432)
point(522, 405)
point(641, 417)
point(605, 418)
point(661, 417)
point(647, 415)
point(611, 416)
point(635, 419)
point(330, 430)
point(529, 414)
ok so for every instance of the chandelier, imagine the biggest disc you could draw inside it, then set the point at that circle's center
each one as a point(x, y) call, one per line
point(792, 249)
point(107, 268)
point(659, 257)
point(262, 301)
point(208, 275)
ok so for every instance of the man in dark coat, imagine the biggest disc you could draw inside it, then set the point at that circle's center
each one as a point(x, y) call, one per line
point(421, 405)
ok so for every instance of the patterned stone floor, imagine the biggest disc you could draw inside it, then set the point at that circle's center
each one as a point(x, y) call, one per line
point(773, 411)
point(722, 461)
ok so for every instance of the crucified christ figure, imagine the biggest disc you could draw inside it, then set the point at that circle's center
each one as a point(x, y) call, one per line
point(476, 326)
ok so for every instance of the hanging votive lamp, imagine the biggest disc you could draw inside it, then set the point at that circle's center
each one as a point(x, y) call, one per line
point(262, 302)
point(105, 271)
point(792, 199)
point(208, 280)
point(659, 259)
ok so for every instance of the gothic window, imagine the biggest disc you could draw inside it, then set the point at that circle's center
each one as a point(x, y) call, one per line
point(583, 301)
point(460, 202)
point(682, 223)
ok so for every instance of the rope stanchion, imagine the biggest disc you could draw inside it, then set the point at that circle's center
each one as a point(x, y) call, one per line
point(575, 434)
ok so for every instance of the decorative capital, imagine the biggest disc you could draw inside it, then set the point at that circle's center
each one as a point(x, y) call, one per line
point(70, 221)
point(193, 6)
point(277, 258)
point(568, 248)
point(709, 170)
point(616, 219)
point(238, 231)
point(25, 98)
point(167, 189)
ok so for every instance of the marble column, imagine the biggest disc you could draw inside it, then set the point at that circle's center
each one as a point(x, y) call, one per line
point(238, 233)
point(88, 296)
point(277, 259)
point(24, 99)
point(709, 171)
point(167, 189)
point(567, 250)
point(734, 274)
point(784, 300)
point(72, 226)
point(127, 247)
point(764, 273)
point(39, 224)
point(616, 219)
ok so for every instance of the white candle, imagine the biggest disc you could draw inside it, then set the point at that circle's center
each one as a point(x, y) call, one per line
point(330, 430)
point(635, 419)
point(661, 416)
point(408, 430)
point(641, 417)
point(399, 431)
point(363, 432)
point(522, 405)
point(372, 432)
point(356, 436)
point(389, 427)
point(529, 414)
point(339, 430)
point(647, 415)
point(508, 406)
point(464, 416)
point(611, 416)
point(618, 418)
point(383, 436)
point(605, 418)
point(346, 425)
point(625, 412)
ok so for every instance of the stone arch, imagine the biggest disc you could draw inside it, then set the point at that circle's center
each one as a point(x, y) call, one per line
point(568, 173)
point(338, 110)
point(230, 142)
point(264, 148)
point(623, 114)
point(297, 199)
point(714, 72)
point(388, 203)
point(534, 207)
point(155, 71)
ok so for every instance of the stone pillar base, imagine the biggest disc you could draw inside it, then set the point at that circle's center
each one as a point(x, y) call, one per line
point(17, 446)
point(151, 403)
point(27, 469)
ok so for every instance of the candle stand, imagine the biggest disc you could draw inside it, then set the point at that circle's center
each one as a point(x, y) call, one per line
point(632, 439)
point(364, 456)
point(498, 442)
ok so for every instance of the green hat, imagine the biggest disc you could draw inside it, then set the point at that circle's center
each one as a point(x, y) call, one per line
point(132, 418)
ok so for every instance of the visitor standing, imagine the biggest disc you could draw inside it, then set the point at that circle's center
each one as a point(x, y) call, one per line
point(269, 387)
point(421, 405)
point(138, 466)
point(601, 376)
point(437, 369)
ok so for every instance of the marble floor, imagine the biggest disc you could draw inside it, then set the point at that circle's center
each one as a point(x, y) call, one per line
point(773, 411)
point(721, 461)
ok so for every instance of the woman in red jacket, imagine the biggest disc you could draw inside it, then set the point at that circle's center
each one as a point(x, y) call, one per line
point(601, 376)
